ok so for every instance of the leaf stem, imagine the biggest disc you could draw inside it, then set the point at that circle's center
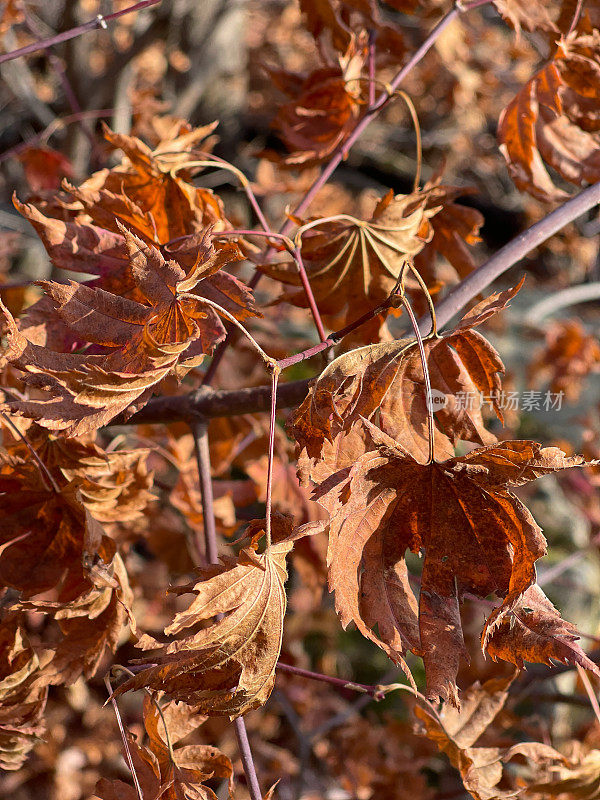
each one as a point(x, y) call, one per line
point(428, 394)
point(200, 433)
point(99, 22)
point(269, 492)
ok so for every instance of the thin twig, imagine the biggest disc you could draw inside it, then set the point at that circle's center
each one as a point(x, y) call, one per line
point(587, 684)
point(128, 756)
point(99, 22)
point(200, 432)
point(46, 474)
point(376, 692)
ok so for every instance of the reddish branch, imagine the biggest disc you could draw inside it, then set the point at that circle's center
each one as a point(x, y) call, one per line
point(200, 431)
point(376, 692)
point(99, 22)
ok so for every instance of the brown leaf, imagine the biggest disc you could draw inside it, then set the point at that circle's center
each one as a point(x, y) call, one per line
point(228, 667)
point(334, 20)
point(140, 342)
point(456, 732)
point(353, 265)
point(90, 624)
point(385, 384)
point(569, 356)
point(45, 536)
point(530, 14)
point(113, 485)
point(459, 514)
point(534, 631)
point(454, 228)
point(324, 108)
point(554, 119)
point(21, 702)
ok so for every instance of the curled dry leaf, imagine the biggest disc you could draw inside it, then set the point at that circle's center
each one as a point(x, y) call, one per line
point(133, 344)
point(456, 733)
point(460, 515)
point(150, 193)
point(332, 22)
point(228, 667)
point(83, 646)
point(455, 226)
point(46, 536)
point(577, 777)
point(529, 14)
point(324, 108)
point(569, 356)
point(114, 485)
point(534, 631)
point(554, 119)
point(22, 702)
point(352, 264)
point(165, 770)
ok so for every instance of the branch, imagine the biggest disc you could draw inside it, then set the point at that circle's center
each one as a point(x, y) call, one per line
point(211, 403)
point(200, 432)
point(99, 22)
point(514, 251)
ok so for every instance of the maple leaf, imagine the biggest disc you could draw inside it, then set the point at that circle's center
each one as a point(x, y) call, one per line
point(46, 535)
point(228, 667)
point(141, 342)
point(165, 770)
point(354, 264)
point(456, 732)
point(459, 514)
point(534, 631)
point(21, 702)
point(324, 108)
point(334, 21)
point(385, 384)
point(103, 251)
point(554, 119)
point(83, 646)
point(569, 356)
point(113, 485)
point(154, 183)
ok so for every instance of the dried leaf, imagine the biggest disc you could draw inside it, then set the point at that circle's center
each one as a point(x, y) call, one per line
point(534, 631)
point(324, 108)
point(141, 342)
point(554, 119)
point(228, 667)
point(21, 702)
point(385, 384)
point(459, 514)
point(354, 264)
point(456, 732)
